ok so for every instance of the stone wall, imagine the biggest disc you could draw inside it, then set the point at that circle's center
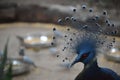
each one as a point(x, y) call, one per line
point(13, 12)
point(29, 13)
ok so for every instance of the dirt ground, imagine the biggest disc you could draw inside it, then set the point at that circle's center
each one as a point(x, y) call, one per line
point(49, 66)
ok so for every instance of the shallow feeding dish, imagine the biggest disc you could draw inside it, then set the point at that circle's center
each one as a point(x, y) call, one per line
point(19, 67)
point(113, 55)
point(36, 41)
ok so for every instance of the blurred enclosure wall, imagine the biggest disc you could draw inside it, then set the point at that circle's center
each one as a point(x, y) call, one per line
point(49, 11)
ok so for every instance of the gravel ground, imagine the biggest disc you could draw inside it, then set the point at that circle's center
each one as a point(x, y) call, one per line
point(48, 65)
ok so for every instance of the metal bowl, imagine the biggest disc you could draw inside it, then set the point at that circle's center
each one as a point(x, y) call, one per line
point(113, 55)
point(36, 41)
point(19, 67)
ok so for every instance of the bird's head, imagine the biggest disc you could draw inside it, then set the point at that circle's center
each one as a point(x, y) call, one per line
point(22, 51)
point(86, 51)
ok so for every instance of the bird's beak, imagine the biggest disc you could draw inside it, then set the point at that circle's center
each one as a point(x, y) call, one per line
point(77, 59)
point(72, 64)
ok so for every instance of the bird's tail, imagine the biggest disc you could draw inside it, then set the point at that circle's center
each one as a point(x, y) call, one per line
point(34, 65)
point(20, 38)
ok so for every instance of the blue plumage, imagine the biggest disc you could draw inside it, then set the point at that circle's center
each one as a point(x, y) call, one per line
point(86, 53)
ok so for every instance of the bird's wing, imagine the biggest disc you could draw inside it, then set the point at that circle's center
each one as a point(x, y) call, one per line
point(110, 72)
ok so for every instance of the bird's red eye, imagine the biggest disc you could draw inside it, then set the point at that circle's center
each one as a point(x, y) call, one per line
point(84, 55)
